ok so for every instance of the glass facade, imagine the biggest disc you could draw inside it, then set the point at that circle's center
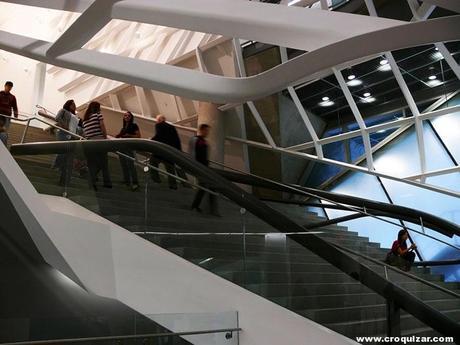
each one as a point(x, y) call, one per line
point(400, 158)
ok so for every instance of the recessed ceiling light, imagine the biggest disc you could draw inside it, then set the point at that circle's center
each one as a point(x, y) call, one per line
point(366, 94)
point(325, 99)
point(438, 56)
point(354, 82)
point(384, 62)
point(351, 77)
point(432, 77)
point(326, 103)
point(385, 68)
point(368, 99)
point(434, 82)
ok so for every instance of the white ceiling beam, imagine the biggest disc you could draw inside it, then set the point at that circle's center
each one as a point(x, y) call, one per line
point(196, 85)
point(84, 28)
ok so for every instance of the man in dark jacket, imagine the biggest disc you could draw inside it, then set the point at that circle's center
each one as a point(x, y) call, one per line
point(167, 134)
point(199, 149)
point(8, 104)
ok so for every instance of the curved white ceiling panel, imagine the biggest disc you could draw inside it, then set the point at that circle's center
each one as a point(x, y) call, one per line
point(351, 37)
point(201, 86)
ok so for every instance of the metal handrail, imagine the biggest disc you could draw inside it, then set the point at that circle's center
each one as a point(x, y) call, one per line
point(136, 161)
point(324, 249)
point(228, 333)
point(392, 268)
point(365, 212)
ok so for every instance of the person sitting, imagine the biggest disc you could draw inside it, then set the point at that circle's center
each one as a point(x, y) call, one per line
point(129, 130)
point(401, 256)
point(167, 134)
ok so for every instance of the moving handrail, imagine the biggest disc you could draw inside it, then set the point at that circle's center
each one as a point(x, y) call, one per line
point(335, 256)
point(228, 334)
point(79, 137)
point(400, 212)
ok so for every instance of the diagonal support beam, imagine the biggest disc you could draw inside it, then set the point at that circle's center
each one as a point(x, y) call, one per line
point(98, 14)
point(358, 118)
point(302, 111)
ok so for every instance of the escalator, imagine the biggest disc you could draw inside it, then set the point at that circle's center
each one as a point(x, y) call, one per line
point(277, 250)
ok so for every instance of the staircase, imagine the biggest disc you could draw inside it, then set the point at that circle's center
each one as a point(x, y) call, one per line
point(274, 267)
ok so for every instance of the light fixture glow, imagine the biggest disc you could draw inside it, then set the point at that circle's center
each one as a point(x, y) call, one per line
point(351, 77)
point(354, 82)
point(384, 62)
point(366, 94)
point(432, 77)
point(325, 98)
point(384, 67)
point(326, 103)
point(368, 99)
point(434, 83)
point(438, 56)
point(382, 131)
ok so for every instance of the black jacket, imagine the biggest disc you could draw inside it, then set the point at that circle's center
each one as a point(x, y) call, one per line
point(167, 134)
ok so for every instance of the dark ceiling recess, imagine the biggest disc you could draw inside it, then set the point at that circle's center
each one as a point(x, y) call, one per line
point(425, 72)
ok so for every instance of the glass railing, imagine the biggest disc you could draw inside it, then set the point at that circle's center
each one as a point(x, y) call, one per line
point(239, 238)
point(166, 329)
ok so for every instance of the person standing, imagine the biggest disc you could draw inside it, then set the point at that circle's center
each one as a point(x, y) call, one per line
point(66, 119)
point(8, 104)
point(199, 149)
point(129, 130)
point(167, 134)
point(94, 129)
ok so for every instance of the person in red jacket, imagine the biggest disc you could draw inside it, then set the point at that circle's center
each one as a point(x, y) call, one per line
point(8, 104)
point(400, 255)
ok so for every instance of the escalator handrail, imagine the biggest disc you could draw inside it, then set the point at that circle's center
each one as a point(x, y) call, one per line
point(344, 262)
point(395, 211)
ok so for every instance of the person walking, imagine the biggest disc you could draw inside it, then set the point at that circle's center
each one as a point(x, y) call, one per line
point(66, 119)
point(94, 129)
point(199, 149)
point(129, 130)
point(167, 134)
point(8, 104)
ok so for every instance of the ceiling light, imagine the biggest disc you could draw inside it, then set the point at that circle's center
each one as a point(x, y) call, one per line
point(354, 82)
point(382, 131)
point(326, 102)
point(366, 94)
point(384, 67)
point(351, 77)
point(434, 83)
point(438, 56)
point(432, 77)
point(368, 99)
point(384, 62)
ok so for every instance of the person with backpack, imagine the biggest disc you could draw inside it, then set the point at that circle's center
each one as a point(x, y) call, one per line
point(66, 119)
